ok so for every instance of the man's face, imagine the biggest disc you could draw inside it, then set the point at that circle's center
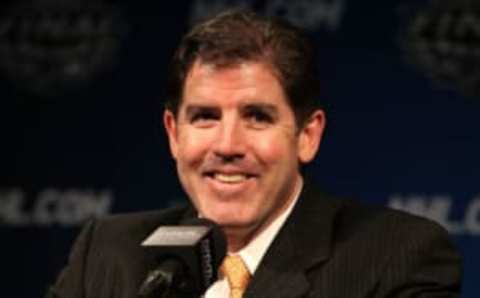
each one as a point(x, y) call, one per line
point(236, 144)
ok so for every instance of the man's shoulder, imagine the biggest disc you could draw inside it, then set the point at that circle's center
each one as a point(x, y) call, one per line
point(382, 250)
point(371, 217)
point(370, 225)
point(352, 216)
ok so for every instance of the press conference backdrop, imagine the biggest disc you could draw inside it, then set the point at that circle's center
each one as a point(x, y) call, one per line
point(81, 95)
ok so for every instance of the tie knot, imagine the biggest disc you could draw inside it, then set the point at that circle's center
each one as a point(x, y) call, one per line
point(236, 272)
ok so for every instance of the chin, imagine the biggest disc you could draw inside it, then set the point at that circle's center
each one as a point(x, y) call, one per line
point(239, 225)
point(230, 218)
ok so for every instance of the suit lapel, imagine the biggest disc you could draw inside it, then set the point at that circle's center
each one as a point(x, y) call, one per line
point(303, 242)
point(277, 275)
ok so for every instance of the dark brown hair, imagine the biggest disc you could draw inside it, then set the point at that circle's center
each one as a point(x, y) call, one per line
point(237, 36)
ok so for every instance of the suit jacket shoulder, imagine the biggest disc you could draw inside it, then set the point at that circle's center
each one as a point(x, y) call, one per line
point(332, 247)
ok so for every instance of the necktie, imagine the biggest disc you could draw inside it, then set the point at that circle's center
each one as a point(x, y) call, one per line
point(234, 269)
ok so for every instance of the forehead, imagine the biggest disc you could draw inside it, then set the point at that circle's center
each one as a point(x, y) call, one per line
point(249, 81)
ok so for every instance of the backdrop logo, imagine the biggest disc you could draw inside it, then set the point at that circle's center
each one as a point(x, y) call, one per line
point(440, 209)
point(308, 14)
point(47, 47)
point(53, 206)
point(443, 40)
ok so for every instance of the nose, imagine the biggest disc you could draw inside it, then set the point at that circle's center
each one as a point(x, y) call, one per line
point(230, 141)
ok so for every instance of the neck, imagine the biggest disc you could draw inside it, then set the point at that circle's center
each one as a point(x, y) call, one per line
point(237, 239)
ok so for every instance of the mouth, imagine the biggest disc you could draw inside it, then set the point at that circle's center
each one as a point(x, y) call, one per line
point(229, 178)
point(231, 185)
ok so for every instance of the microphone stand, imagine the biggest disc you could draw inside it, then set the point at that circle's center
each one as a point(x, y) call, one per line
point(169, 280)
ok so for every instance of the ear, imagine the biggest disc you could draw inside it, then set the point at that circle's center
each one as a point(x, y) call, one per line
point(169, 121)
point(310, 136)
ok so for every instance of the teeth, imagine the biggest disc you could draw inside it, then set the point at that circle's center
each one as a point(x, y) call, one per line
point(230, 178)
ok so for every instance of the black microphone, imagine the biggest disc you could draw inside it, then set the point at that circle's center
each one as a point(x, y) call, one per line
point(188, 257)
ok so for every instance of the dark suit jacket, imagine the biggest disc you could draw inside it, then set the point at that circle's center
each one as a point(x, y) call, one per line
point(327, 248)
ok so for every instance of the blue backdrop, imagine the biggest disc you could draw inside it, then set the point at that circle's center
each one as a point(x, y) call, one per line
point(81, 103)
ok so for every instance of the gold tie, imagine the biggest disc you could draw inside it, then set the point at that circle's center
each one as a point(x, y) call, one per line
point(237, 275)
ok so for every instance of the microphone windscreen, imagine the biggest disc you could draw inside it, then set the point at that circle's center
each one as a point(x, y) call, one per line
point(198, 244)
point(217, 235)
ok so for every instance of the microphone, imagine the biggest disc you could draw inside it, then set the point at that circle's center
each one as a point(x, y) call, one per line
point(188, 257)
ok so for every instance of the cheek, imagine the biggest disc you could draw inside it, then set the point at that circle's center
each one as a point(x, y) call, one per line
point(192, 146)
point(275, 148)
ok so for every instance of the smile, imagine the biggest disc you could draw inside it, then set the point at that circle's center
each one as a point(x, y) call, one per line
point(228, 185)
point(230, 178)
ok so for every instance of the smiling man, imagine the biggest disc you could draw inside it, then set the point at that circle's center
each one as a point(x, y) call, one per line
point(242, 118)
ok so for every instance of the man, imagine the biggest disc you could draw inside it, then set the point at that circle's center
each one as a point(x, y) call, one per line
point(241, 121)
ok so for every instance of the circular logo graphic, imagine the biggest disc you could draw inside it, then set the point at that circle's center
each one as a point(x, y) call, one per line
point(443, 40)
point(48, 47)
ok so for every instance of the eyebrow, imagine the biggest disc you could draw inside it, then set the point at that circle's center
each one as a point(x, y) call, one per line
point(266, 107)
point(195, 108)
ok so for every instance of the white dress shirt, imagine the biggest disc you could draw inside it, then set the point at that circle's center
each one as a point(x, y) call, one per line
point(253, 252)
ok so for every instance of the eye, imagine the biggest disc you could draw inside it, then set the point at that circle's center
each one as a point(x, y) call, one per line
point(202, 115)
point(259, 116)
